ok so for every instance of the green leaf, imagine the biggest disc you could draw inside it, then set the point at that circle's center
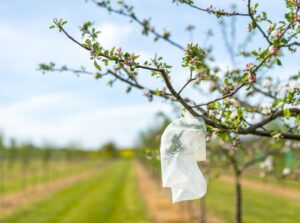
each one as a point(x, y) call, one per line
point(135, 57)
point(154, 73)
point(96, 47)
point(97, 66)
point(112, 51)
point(88, 41)
point(113, 58)
point(98, 75)
point(105, 61)
point(278, 62)
point(157, 92)
point(227, 83)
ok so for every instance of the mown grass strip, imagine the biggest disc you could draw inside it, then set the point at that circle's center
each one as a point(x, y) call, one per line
point(285, 183)
point(15, 181)
point(259, 206)
point(110, 196)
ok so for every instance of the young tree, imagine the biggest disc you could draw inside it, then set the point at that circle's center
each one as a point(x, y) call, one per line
point(46, 159)
point(248, 154)
point(25, 156)
point(235, 109)
point(2, 164)
point(110, 150)
point(149, 143)
point(12, 153)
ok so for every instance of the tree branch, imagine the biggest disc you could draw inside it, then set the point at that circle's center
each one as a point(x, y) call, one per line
point(221, 98)
point(102, 55)
point(218, 12)
point(140, 22)
point(186, 84)
point(250, 13)
point(164, 73)
point(293, 111)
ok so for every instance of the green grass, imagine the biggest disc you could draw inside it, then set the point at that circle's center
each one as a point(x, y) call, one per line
point(259, 206)
point(285, 183)
point(15, 180)
point(110, 196)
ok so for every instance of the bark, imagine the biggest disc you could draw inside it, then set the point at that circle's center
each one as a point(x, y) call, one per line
point(203, 210)
point(238, 198)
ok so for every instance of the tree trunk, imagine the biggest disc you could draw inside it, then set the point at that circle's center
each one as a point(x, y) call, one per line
point(203, 210)
point(238, 197)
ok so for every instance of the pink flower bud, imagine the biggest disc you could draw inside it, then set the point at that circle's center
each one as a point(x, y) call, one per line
point(251, 78)
point(273, 50)
point(250, 66)
point(192, 61)
point(270, 28)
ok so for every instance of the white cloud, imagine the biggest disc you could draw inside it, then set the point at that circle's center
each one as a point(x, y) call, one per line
point(62, 117)
point(91, 128)
point(113, 34)
point(25, 47)
point(33, 103)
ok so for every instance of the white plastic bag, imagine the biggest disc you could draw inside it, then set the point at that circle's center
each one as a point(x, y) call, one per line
point(182, 145)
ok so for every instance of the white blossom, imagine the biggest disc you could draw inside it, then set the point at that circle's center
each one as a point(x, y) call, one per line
point(277, 136)
point(266, 108)
point(234, 115)
point(250, 66)
point(233, 102)
point(146, 91)
point(212, 112)
point(293, 85)
point(267, 83)
point(117, 67)
point(286, 171)
point(275, 34)
point(262, 174)
point(267, 164)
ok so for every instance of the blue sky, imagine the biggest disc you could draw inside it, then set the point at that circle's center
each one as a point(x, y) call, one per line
point(63, 108)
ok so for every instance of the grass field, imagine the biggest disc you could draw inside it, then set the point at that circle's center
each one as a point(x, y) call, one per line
point(112, 195)
point(16, 180)
point(102, 198)
point(293, 184)
point(259, 206)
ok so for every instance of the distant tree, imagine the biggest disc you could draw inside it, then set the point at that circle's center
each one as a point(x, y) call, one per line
point(149, 142)
point(12, 153)
point(247, 154)
point(110, 149)
point(26, 157)
point(2, 141)
point(2, 163)
point(46, 159)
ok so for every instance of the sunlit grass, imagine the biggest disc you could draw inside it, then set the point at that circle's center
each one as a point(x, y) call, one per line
point(110, 196)
point(16, 179)
point(287, 183)
point(259, 206)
